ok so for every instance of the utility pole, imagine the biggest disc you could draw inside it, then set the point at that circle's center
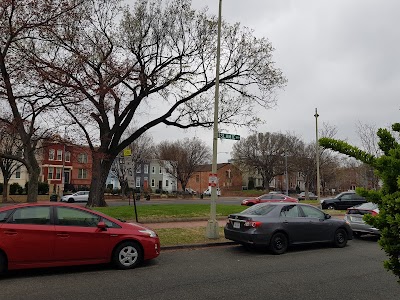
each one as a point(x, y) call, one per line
point(317, 153)
point(212, 231)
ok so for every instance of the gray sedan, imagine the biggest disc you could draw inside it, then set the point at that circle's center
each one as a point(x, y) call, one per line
point(279, 225)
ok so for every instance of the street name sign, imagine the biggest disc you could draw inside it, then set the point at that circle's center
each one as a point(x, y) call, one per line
point(229, 136)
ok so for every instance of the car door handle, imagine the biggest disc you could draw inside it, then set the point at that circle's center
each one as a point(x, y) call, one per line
point(64, 235)
point(10, 232)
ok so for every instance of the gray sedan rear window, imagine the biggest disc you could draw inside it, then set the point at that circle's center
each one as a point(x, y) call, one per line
point(258, 210)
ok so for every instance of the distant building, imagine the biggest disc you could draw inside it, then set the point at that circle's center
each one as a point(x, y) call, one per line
point(229, 178)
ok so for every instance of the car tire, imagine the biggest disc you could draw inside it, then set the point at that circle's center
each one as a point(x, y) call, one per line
point(278, 243)
point(331, 207)
point(3, 263)
point(127, 255)
point(71, 200)
point(340, 238)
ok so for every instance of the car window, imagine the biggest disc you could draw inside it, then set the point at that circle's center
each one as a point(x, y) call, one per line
point(110, 224)
point(37, 215)
point(277, 197)
point(290, 211)
point(265, 197)
point(4, 215)
point(75, 217)
point(311, 212)
point(259, 210)
point(346, 197)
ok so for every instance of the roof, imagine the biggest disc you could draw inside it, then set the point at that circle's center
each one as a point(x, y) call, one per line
point(208, 168)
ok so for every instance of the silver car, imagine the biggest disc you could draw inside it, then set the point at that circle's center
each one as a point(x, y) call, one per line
point(354, 217)
point(279, 225)
point(81, 196)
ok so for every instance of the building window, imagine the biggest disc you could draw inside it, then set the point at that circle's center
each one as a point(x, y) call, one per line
point(138, 182)
point(18, 173)
point(51, 154)
point(166, 182)
point(58, 173)
point(153, 170)
point(67, 156)
point(153, 183)
point(138, 168)
point(82, 173)
point(50, 173)
point(146, 169)
point(83, 158)
point(59, 155)
point(160, 170)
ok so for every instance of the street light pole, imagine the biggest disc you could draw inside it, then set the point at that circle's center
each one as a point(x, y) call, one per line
point(317, 153)
point(63, 165)
point(286, 176)
point(212, 231)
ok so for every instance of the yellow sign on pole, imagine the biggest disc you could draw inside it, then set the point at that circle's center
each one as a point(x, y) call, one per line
point(127, 152)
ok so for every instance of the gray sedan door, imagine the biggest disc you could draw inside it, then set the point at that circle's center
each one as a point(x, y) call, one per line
point(294, 224)
point(317, 227)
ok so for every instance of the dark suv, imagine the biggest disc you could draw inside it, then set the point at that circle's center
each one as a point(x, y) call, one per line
point(343, 201)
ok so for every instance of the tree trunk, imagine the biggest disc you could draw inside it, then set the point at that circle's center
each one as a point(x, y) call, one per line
point(100, 168)
point(5, 190)
point(34, 173)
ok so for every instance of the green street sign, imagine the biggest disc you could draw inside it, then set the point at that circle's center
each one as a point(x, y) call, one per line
point(229, 136)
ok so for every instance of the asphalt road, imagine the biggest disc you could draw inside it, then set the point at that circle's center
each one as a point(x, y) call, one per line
point(229, 272)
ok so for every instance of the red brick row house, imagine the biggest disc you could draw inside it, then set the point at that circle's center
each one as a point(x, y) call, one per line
point(74, 160)
point(229, 178)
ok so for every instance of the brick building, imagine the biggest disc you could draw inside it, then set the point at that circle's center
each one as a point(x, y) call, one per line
point(229, 178)
point(75, 160)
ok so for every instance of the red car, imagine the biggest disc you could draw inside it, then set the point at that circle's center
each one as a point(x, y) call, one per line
point(50, 234)
point(268, 198)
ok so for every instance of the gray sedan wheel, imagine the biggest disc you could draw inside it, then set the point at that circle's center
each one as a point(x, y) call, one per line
point(340, 239)
point(278, 243)
point(71, 200)
point(331, 206)
point(128, 255)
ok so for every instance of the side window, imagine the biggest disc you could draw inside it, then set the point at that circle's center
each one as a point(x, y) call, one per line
point(37, 215)
point(346, 197)
point(311, 212)
point(4, 215)
point(290, 211)
point(110, 224)
point(75, 217)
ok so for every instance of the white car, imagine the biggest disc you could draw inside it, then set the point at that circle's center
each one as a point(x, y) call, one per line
point(81, 196)
point(207, 192)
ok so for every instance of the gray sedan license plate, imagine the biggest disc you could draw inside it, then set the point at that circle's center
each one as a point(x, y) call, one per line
point(236, 225)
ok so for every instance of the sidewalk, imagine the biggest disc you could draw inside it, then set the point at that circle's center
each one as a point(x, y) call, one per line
point(181, 224)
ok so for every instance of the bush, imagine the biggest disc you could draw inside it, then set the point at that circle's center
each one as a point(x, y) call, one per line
point(16, 189)
point(43, 188)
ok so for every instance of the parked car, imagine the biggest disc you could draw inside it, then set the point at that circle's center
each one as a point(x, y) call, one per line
point(279, 225)
point(268, 198)
point(354, 217)
point(49, 234)
point(207, 192)
point(311, 196)
point(343, 201)
point(190, 191)
point(81, 196)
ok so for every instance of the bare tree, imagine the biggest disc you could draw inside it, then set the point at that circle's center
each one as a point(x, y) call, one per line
point(141, 151)
point(156, 67)
point(369, 143)
point(11, 146)
point(23, 96)
point(265, 152)
point(181, 158)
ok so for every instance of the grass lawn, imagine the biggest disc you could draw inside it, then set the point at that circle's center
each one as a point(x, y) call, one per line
point(168, 212)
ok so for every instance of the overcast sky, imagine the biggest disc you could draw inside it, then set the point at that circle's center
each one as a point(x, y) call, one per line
point(339, 56)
